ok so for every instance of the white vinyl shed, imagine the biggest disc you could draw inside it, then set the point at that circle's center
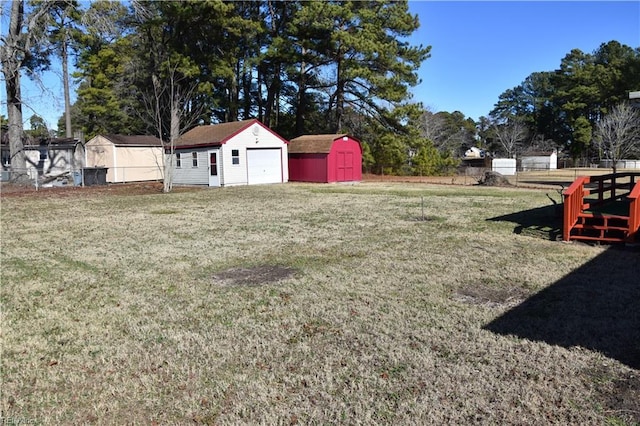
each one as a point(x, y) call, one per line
point(235, 153)
point(540, 161)
point(127, 158)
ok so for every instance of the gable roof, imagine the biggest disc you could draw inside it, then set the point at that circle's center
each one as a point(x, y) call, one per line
point(313, 144)
point(126, 140)
point(218, 134)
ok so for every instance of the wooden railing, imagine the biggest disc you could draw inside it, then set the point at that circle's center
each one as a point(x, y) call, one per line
point(634, 212)
point(607, 189)
point(573, 197)
point(612, 185)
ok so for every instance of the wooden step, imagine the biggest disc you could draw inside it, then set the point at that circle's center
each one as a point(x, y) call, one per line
point(602, 216)
point(606, 229)
point(602, 239)
point(601, 227)
point(605, 221)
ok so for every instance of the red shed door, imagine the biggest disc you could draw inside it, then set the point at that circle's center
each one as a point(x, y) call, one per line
point(345, 166)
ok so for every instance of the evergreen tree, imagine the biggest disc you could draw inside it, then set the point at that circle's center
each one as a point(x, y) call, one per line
point(106, 102)
point(565, 105)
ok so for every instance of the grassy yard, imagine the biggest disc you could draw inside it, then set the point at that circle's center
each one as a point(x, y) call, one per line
point(376, 303)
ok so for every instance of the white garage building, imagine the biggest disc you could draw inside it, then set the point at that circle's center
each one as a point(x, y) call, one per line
point(236, 153)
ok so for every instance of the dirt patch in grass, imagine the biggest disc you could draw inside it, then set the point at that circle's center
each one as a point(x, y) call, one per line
point(624, 398)
point(256, 276)
point(619, 397)
point(441, 180)
point(483, 295)
point(10, 190)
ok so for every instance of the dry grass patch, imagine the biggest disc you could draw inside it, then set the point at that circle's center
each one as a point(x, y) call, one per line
point(300, 303)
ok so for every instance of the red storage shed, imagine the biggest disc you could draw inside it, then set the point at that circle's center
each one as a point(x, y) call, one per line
point(325, 158)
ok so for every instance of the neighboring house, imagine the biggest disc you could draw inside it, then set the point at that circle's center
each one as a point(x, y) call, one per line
point(539, 161)
point(126, 158)
point(475, 152)
point(325, 158)
point(235, 153)
point(49, 158)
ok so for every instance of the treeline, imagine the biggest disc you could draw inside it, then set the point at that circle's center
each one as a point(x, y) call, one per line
point(330, 66)
point(562, 108)
point(300, 67)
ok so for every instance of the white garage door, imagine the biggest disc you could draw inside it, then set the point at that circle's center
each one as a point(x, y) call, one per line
point(264, 166)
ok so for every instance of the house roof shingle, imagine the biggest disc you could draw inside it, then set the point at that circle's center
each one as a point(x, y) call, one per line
point(215, 134)
point(139, 140)
point(313, 144)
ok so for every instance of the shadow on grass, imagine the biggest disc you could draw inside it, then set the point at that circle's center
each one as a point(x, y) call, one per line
point(544, 222)
point(597, 307)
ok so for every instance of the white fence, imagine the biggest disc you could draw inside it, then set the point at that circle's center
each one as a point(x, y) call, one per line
point(621, 164)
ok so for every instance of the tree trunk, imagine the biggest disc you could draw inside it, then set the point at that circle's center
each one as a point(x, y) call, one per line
point(67, 97)
point(339, 94)
point(272, 95)
point(11, 69)
point(259, 96)
point(301, 99)
point(14, 111)
point(174, 134)
point(246, 89)
point(233, 96)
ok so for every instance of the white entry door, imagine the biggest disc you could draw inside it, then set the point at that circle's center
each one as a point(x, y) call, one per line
point(214, 168)
point(264, 166)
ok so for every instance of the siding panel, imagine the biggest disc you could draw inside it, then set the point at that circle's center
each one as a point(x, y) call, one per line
point(189, 175)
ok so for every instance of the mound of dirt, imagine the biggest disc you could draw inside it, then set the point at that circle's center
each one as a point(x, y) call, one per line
point(494, 179)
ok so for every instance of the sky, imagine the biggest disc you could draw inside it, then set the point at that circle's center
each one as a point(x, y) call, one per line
point(479, 49)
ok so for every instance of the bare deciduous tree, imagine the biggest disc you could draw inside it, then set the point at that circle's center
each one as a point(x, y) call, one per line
point(170, 98)
point(15, 52)
point(65, 15)
point(618, 134)
point(432, 126)
point(510, 136)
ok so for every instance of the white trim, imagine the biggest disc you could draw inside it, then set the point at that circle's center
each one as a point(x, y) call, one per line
point(115, 163)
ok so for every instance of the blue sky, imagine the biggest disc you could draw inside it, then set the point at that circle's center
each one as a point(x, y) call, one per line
point(479, 50)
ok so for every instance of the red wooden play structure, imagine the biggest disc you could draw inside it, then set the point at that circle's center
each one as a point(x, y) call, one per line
point(603, 208)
